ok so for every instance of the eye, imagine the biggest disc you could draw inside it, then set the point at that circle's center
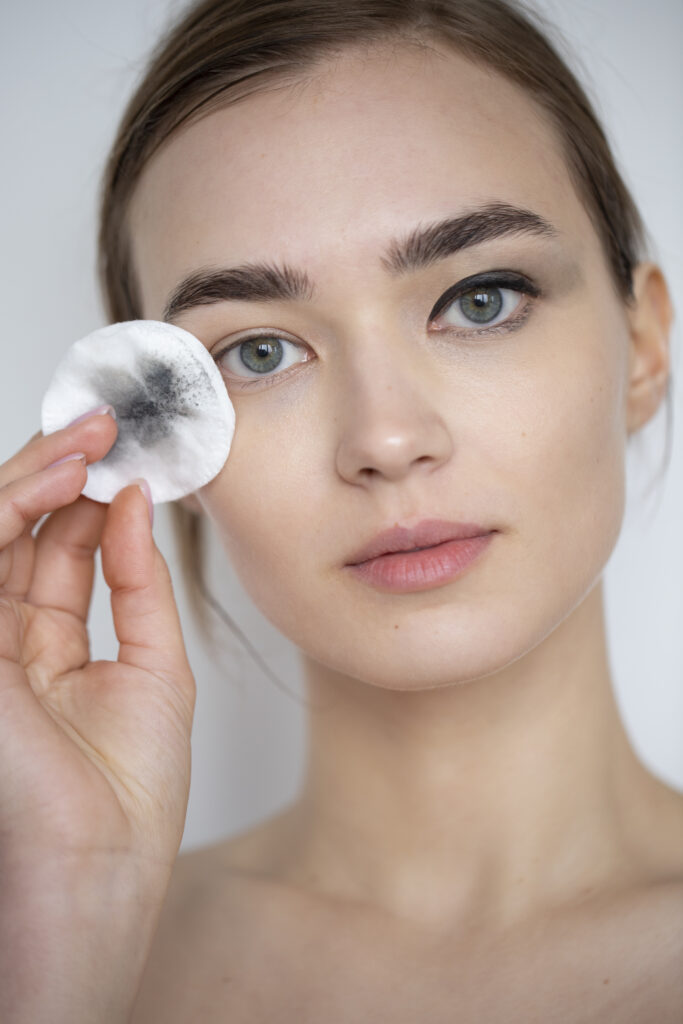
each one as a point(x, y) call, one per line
point(494, 300)
point(259, 356)
point(483, 307)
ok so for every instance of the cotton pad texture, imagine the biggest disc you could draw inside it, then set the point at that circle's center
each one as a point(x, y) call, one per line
point(175, 419)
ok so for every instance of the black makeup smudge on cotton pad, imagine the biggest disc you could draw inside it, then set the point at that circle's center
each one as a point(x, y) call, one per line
point(151, 402)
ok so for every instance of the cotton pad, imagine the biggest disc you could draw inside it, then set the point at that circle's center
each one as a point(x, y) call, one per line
point(175, 419)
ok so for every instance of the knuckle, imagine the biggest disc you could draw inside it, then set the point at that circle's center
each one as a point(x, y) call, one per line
point(78, 550)
point(16, 509)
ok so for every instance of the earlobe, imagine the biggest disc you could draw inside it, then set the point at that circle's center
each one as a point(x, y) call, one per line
point(650, 317)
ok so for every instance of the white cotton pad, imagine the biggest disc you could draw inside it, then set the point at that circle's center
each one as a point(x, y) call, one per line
point(175, 419)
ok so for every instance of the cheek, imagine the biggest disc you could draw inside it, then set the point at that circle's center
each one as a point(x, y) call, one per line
point(550, 454)
point(263, 503)
point(569, 457)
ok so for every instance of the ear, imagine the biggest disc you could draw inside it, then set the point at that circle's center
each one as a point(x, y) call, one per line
point(190, 501)
point(650, 317)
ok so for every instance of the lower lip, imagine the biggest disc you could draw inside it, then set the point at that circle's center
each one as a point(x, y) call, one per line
point(409, 571)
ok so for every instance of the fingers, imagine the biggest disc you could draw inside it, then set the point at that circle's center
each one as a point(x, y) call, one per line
point(24, 501)
point(64, 559)
point(145, 615)
point(30, 488)
point(94, 437)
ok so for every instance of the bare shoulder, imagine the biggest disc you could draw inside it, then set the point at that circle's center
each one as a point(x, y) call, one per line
point(646, 938)
point(170, 981)
point(233, 938)
point(649, 930)
point(653, 916)
point(217, 898)
point(661, 899)
point(639, 931)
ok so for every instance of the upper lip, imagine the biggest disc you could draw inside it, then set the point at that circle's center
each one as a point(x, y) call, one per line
point(424, 534)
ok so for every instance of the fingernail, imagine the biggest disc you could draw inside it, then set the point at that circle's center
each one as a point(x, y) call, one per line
point(68, 458)
point(144, 487)
point(101, 410)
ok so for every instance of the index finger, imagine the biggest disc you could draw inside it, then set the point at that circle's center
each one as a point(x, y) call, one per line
point(64, 564)
point(93, 436)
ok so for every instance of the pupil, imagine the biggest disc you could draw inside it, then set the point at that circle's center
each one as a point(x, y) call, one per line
point(261, 356)
point(481, 305)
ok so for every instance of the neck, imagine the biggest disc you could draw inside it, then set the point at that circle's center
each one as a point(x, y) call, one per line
point(478, 799)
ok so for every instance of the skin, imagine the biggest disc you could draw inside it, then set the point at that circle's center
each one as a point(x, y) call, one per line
point(468, 771)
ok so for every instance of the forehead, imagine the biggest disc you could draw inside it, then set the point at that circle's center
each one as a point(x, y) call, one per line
point(319, 173)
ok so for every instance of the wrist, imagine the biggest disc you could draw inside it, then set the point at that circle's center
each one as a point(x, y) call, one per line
point(74, 938)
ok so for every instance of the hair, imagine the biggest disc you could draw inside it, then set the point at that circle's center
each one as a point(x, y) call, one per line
point(218, 51)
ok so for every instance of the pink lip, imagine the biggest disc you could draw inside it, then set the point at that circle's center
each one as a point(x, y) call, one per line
point(424, 534)
point(390, 561)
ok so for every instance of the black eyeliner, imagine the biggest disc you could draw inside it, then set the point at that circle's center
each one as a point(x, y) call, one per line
point(497, 278)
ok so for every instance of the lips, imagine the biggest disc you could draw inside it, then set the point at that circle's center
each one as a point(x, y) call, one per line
point(426, 534)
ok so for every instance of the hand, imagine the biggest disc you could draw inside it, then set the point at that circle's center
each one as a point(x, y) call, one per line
point(94, 755)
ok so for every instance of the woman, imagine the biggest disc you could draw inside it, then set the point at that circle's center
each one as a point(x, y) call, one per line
point(398, 229)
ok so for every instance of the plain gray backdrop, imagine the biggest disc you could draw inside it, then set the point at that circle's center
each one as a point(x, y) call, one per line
point(67, 67)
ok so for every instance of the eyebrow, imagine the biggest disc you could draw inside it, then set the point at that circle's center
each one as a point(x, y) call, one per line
point(264, 282)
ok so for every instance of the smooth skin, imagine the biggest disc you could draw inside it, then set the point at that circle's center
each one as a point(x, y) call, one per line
point(94, 756)
point(475, 838)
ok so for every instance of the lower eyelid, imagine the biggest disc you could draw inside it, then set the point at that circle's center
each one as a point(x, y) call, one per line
point(257, 337)
point(514, 320)
point(518, 319)
point(265, 379)
point(520, 314)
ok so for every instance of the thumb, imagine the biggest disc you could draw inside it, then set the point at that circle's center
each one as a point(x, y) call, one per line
point(143, 605)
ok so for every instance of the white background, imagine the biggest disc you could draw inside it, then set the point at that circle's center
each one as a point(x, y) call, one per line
point(66, 69)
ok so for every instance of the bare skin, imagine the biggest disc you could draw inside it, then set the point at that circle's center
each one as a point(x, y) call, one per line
point(475, 838)
point(236, 946)
point(94, 755)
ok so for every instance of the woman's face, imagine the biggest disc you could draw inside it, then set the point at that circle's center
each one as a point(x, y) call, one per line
point(381, 404)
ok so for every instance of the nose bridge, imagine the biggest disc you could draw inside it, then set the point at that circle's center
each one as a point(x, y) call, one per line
point(390, 420)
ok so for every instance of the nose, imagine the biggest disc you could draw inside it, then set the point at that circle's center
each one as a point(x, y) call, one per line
point(390, 421)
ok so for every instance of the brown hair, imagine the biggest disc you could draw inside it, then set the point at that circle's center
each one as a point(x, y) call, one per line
point(220, 50)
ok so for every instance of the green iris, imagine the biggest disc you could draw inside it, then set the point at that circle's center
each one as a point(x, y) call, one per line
point(481, 305)
point(261, 354)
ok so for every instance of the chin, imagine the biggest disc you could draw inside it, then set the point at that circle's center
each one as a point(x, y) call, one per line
point(422, 664)
point(433, 651)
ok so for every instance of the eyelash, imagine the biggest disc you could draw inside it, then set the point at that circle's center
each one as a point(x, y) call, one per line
point(500, 279)
point(505, 280)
